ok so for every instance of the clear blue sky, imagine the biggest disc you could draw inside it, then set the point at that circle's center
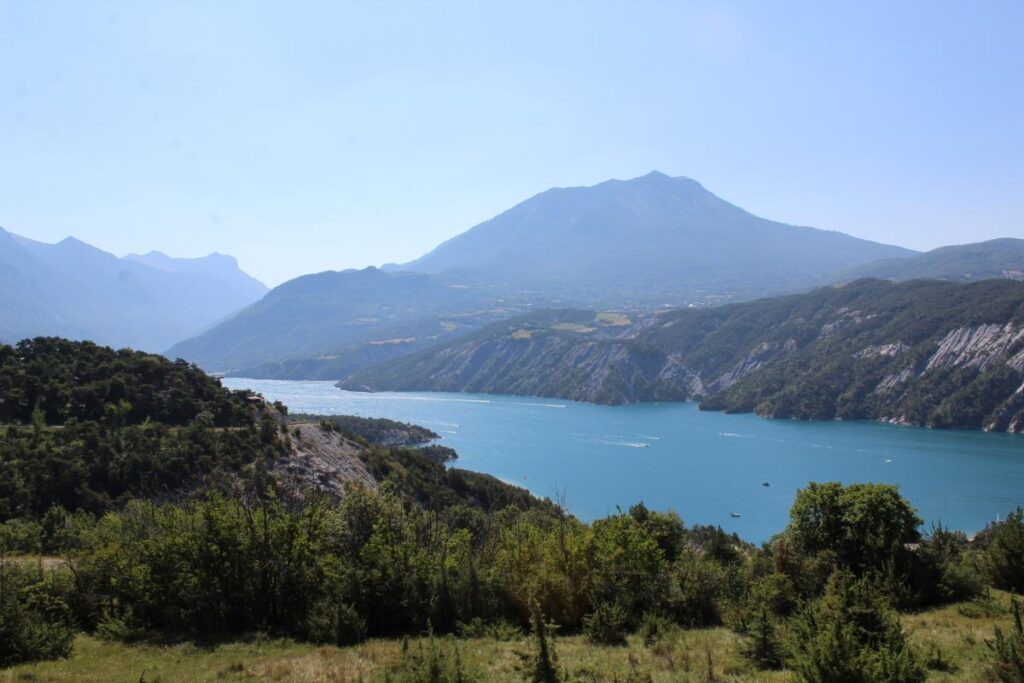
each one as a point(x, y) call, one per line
point(302, 137)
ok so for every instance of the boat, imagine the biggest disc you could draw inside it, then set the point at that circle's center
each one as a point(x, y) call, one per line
point(765, 483)
point(734, 514)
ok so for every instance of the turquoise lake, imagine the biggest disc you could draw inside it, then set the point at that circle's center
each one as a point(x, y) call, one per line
point(703, 465)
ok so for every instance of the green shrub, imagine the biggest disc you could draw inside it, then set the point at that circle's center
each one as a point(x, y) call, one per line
point(606, 625)
point(851, 635)
point(429, 662)
point(120, 628)
point(942, 571)
point(1008, 651)
point(1005, 553)
point(334, 622)
point(541, 665)
point(774, 592)
point(764, 648)
point(35, 621)
point(694, 589)
point(478, 627)
point(654, 627)
point(21, 536)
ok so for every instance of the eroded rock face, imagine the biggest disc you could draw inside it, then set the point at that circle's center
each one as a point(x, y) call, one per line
point(892, 381)
point(979, 346)
point(904, 353)
point(759, 356)
point(324, 460)
point(882, 350)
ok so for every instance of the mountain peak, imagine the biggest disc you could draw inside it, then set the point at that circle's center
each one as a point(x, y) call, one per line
point(628, 239)
point(657, 180)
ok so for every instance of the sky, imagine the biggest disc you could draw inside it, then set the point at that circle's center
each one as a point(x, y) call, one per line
point(305, 136)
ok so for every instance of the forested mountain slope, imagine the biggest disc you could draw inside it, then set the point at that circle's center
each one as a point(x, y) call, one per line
point(922, 352)
point(332, 318)
point(90, 428)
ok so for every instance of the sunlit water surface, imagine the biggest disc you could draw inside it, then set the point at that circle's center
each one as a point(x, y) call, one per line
point(704, 465)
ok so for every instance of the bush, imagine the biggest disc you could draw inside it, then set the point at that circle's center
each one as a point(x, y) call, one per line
point(1008, 651)
point(693, 592)
point(541, 665)
point(430, 664)
point(851, 635)
point(120, 628)
point(942, 571)
point(21, 536)
point(606, 625)
point(477, 627)
point(35, 621)
point(764, 648)
point(774, 592)
point(654, 627)
point(334, 622)
point(1005, 553)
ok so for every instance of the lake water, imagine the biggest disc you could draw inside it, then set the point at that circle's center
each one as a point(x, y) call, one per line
point(704, 465)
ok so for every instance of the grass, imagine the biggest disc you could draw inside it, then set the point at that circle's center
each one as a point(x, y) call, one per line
point(572, 327)
point(958, 632)
point(612, 318)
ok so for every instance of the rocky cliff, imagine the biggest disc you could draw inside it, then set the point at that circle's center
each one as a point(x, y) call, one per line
point(922, 352)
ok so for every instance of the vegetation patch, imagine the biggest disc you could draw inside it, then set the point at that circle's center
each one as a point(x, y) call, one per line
point(612, 318)
point(572, 327)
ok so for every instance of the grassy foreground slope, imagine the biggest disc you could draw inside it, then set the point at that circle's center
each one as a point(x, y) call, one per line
point(684, 655)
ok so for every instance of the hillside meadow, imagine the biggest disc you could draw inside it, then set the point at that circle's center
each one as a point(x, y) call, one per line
point(959, 632)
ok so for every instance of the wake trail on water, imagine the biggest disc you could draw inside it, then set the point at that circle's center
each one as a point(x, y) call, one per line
point(538, 405)
point(428, 399)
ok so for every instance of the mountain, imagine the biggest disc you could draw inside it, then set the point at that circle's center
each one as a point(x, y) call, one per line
point(649, 240)
point(922, 352)
point(640, 244)
point(999, 258)
point(217, 266)
point(343, 320)
point(147, 302)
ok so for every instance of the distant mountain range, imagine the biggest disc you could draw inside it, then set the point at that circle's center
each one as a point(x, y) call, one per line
point(922, 352)
point(651, 240)
point(640, 244)
point(1000, 258)
point(74, 290)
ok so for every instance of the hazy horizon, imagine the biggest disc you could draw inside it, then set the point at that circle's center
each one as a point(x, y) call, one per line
point(331, 136)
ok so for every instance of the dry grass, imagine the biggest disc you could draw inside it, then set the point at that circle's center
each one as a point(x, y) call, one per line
point(612, 318)
point(958, 633)
point(686, 656)
point(572, 327)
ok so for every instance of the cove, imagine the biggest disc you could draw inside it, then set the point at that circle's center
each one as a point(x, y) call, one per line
point(704, 465)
